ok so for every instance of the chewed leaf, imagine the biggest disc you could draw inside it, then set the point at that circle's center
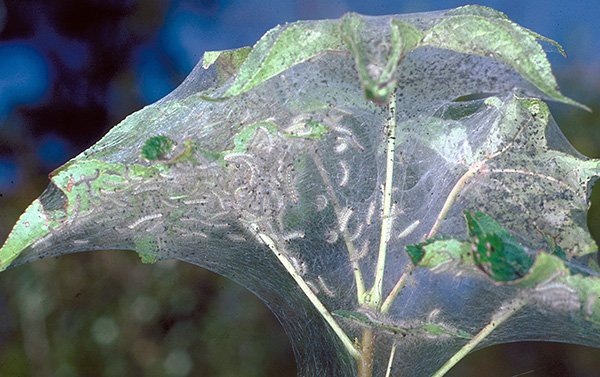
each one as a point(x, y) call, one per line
point(501, 261)
point(73, 199)
point(491, 249)
point(436, 252)
point(227, 62)
point(547, 281)
point(495, 251)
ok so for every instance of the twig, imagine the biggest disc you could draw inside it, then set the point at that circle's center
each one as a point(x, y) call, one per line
point(452, 198)
point(367, 346)
point(389, 367)
point(348, 344)
point(387, 304)
point(497, 320)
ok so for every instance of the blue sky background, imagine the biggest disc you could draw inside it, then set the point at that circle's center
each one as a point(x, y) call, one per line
point(188, 28)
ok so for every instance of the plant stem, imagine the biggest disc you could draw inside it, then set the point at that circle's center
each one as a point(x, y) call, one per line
point(348, 344)
point(497, 320)
point(387, 220)
point(358, 277)
point(365, 363)
point(452, 198)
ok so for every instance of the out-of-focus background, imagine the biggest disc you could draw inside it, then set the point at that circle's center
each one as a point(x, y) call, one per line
point(71, 69)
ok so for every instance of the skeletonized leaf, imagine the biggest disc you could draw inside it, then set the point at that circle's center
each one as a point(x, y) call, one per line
point(480, 33)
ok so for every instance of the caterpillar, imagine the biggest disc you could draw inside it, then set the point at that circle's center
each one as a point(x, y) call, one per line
point(345, 174)
point(139, 221)
point(343, 218)
point(326, 289)
point(321, 202)
point(290, 183)
point(409, 229)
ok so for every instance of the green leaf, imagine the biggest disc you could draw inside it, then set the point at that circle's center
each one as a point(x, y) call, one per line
point(487, 12)
point(502, 261)
point(157, 148)
point(307, 129)
point(282, 48)
point(542, 270)
point(476, 10)
point(435, 252)
point(479, 224)
point(247, 134)
point(496, 252)
point(31, 227)
point(554, 248)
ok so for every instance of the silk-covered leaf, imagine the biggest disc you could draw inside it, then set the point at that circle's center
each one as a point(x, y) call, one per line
point(379, 45)
point(283, 47)
point(481, 33)
point(377, 62)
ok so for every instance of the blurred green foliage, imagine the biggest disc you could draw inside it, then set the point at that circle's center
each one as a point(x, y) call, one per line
point(106, 314)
